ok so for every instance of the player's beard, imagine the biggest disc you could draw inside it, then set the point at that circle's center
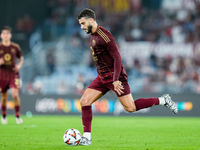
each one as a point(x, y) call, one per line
point(89, 29)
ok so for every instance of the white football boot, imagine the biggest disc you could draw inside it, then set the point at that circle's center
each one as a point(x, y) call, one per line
point(4, 120)
point(84, 141)
point(19, 120)
point(170, 104)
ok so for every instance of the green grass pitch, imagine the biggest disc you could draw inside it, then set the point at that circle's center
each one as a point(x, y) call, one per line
point(112, 133)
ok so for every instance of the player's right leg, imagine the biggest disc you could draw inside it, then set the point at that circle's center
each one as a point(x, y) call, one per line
point(4, 96)
point(89, 96)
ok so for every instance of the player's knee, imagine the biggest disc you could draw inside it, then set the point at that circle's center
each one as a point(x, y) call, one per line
point(130, 109)
point(15, 95)
point(84, 101)
point(3, 98)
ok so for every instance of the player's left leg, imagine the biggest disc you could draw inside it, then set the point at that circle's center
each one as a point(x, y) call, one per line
point(4, 96)
point(127, 101)
point(130, 105)
point(15, 95)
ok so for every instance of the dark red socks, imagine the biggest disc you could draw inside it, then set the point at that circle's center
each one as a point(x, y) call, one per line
point(146, 102)
point(3, 109)
point(87, 118)
point(17, 111)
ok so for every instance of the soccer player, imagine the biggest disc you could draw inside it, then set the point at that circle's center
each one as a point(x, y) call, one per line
point(111, 75)
point(9, 73)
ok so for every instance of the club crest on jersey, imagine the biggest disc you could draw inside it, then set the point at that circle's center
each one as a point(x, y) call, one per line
point(13, 50)
point(1, 51)
point(7, 57)
point(93, 42)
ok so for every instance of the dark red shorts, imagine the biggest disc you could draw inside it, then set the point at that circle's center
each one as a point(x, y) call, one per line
point(6, 84)
point(97, 84)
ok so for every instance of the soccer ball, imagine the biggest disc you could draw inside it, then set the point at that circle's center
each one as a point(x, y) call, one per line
point(72, 137)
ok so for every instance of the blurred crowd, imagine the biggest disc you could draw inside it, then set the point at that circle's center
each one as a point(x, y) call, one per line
point(156, 21)
point(133, 20)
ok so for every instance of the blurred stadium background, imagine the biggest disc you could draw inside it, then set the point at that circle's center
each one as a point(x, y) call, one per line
point(158, 40)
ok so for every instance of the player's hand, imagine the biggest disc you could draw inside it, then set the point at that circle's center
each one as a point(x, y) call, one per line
point(16, 68)
point(118, 87)
point(1, 61)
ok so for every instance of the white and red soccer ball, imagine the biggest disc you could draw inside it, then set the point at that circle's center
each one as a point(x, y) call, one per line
point(72, 137)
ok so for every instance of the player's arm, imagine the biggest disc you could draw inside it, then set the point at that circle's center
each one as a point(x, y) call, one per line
point(114, 52)
point(19, 65)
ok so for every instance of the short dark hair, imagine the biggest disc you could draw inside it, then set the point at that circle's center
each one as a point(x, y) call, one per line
point(6, 28)
point(87, 13)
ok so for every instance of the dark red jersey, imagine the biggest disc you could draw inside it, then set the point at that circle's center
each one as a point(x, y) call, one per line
point(9, 54)
point(106, 56)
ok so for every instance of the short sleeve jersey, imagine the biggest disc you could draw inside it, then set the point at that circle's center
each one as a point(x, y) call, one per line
point(9, 54)
point(106, 56)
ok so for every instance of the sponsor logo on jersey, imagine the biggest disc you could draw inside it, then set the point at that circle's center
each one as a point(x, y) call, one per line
point(7, 57)
point(94, 57)
point(92, 50)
